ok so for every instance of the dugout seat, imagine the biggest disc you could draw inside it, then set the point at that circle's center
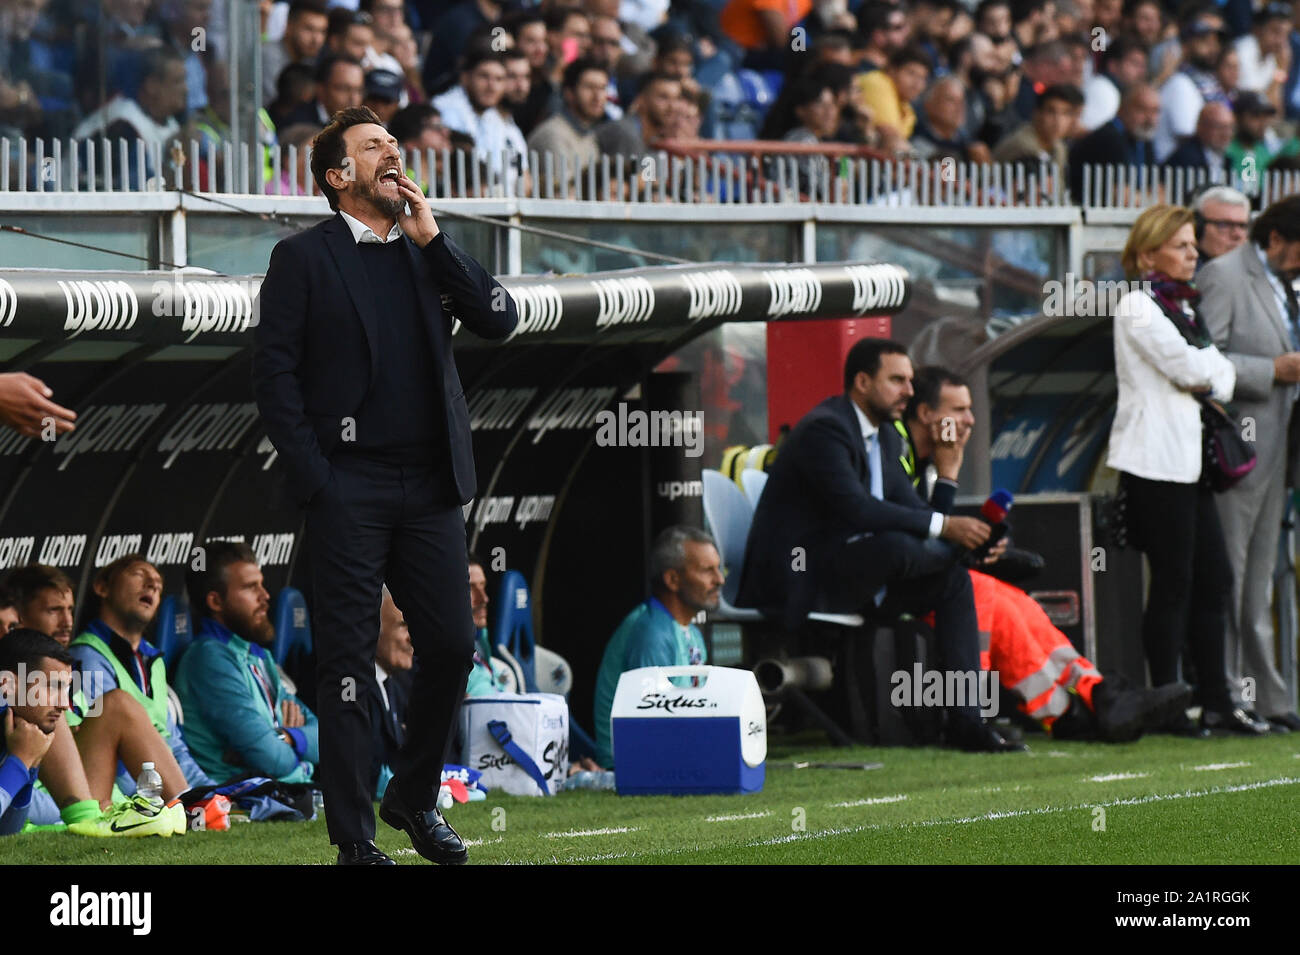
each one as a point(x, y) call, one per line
point(514, 626)
point(541, 670)
point(728, 514)
point(752, 483)
point(175, 629)
point(292, 625)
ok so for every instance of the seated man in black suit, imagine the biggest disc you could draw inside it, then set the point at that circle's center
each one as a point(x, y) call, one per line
point(394, 658)
point(1207, 149)
point(840, 527)
point(1124, 141)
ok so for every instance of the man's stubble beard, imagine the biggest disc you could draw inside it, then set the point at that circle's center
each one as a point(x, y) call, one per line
point(244, 626)
point(389, 208)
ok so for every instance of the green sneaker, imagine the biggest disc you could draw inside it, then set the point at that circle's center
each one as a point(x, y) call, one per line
point(134, 817)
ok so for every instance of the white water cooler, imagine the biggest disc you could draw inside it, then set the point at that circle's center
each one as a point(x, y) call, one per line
point(689, 729)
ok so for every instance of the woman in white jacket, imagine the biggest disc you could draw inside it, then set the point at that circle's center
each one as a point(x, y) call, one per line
point(1163, 359)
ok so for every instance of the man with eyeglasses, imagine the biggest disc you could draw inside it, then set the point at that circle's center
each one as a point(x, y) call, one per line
point(1252, 312)
point(1222, 218)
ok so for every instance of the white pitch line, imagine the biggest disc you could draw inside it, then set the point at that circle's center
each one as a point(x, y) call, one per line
point(879, 800)
point(577, 833)
point(987, 817)
point(1214, 767)
point(1042, 810)
point(738, 816)
point(484, 842)
point(1112, 777)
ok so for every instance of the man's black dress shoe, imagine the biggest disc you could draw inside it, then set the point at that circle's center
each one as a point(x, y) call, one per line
point(362, 853)
point(1236, 720)
point(430, 834)
point(1286, 723)
point(977, 737)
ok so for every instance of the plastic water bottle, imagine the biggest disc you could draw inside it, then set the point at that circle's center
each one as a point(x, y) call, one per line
point(589, 780)
point(149, 784)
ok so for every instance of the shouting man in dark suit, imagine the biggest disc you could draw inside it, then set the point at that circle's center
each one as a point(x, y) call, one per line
point(840, 527)
point(354, 377)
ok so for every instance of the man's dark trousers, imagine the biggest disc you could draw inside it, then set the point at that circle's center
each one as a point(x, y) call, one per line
point(919, 576)
point(373, 523)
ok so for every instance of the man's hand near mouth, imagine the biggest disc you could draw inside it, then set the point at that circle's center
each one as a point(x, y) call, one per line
point(418, 223)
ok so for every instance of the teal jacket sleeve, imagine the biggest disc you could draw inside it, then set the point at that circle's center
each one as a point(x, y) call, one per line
point(306, 738)
point(234, 714)
point(653, 645)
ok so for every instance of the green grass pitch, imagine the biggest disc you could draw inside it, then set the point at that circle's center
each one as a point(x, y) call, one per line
point(1160, 800)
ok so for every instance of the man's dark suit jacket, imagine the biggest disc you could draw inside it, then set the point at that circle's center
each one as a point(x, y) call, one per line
point(818, 495)
point(313, 362)
point(1108, 144)
point(1192, 155)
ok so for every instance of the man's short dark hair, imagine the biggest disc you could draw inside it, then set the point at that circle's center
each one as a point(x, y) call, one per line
point(27, 582)
point(1119, 49)
point(874, 15)
point(27, 648)
point(329, 150)
point(987, 5)
point(342, 19)
point(154, 63)
point(292, 79)
point(910, 54)
point(573, 72)
point(834, 39)
point(673, 42)
point(1190, 13)
point(559, 15)
point(1063, 92)
point(1131, 7)
point(668, 552)
point(478, 56)
point(300, 7)
point(865, 356)
point(325, 68)
point(516, 20)
point(1050, 51)
point(408, 122)
point(1282, 217)
point(927, 387)
point(8, 597)
point(1024, 9)
point(217, 556)
point(660, 78)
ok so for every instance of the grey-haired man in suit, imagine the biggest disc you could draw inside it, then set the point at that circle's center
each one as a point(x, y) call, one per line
point(1252, 312)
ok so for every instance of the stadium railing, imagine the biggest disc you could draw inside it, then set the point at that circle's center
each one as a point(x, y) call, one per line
point(683, 171)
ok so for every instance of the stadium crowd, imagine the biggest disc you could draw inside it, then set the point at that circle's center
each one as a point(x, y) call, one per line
point(1202, 85)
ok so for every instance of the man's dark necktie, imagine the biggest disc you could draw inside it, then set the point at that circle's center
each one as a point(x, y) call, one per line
point(1292, 311)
